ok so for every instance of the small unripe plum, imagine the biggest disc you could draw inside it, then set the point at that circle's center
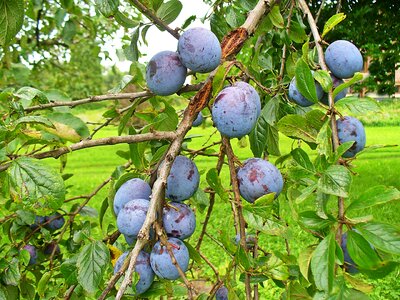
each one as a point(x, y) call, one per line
point(234, 113)
point(251, 93)
point(221, 293)
point(131, 217)
point(161, 262)
point(55, 221)
point(258, 177)
point(343, 59)
point(32, 252)
point(351, 129)
point(179, 220)
point(165, 73)
point(297, 97)
point(336, 82)
point(349, 265)
point(199, 50)
point(183, 179)
point(48, 249)
point(134, 188)
point(198, 120)
point(142, 267)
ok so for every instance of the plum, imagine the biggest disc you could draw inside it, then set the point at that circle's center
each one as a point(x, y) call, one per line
point(142, 267)
point(165, 73)
point(130, 240)
point(336, 82)
point(39, 220)
point(134, 188)
point(161, 262)
point(199, 50)
point(297, 97)
point(179, 220)
point(131, 217)
point(55, 221)
point(32, 252)
point(198, 120)
point(351, 129)
point(183, 179)
point(250, 240)
point(343, 59)
point(221, 293)
point(258, 177)
point(48, 249)
point(234, 113)
point(349, 264)
point(250, 92)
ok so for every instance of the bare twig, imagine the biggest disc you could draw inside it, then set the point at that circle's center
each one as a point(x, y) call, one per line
point(289, 21)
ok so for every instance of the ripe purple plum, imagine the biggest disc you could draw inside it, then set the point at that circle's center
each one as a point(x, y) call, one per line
point(251, 93)
point(161, 262)
point(39, 220)
point(55, 221)
point(49, 248)
point(250, 240)
point(32, 252)
point(183, 179)
point(336, 82)
point(221, 293)
point(351, 129)
point(134, 188)
point(131, 217)
point(297, 97)
point(199, 50)
point(234, 113)
point(199, 119)
point(179, 220)
point(142, 267)
point(165, 73)
point(343, 59)
point(258, 177)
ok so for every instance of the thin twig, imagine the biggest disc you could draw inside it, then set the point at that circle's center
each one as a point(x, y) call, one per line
point(289, 21)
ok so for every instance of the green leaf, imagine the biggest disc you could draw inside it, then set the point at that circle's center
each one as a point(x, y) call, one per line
point(361, 251)
point(323, 263)
point(262, 206)
point(214, 181)
point(103, 210)
point(11, 19)
point(302, 159)
point(259, 223)
point(69, 31)
point(35, 182)
point(67, 127)
point(124, 20)
point(358, 106)
point(169, 11)
point(132, 51)
point(11, 274)
point(332, 22)
point(122, 84)
point(312, 221)
point(335, 180)
point(382, 236)
point(201, 200)
point(92, 262)
point(234, 17)
point(167, 120)
point(305, 81)
point(193, 253)
point(243, 258)
point(324, 140)
point(304, 261)
point(296, 126)
point(297, 32)
point(107, 7)
point(324, 79)
point(275, 268)
point(276, 17)
point(69, 271)
point(34, 119)
point(357, 77)
point(376, 195)
point(42, 284)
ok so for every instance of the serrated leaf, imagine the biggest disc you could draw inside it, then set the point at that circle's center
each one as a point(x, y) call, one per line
point(312, 221)
point(358, 106)
point(335, 180)
point(382, 236)
point(302, 159)
point(359, 284)
point(234, 17)
point(324, 79)
point(35, 182)
point(376, 195)
point(275, 268)
point(361, 251)
point(107, 7)
point(357, 77)
point(133, 47)
point(193, 253)
point(276, 17)
point(124, 20)
point(11, 19)
point(122, 84)
point(103, 210)
point(67, 127)
point(92, 262)
point(215, 183)
point(201, 200)
point(259, 223)
point(297, 126)
point(35, 120)
point(26, 94)
point(323, 263)
point(304, 261)
point(305, 81)
point(11, 274)
point(169, 11)
point(69, 271)
point(324, 140)
point(262, 206)
point(42, 284)
point(69, 31)
point(332, 22)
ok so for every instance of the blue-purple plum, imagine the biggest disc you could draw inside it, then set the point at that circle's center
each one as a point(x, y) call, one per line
point(258, 177)
point(134, 188)
point(142, 267)
point(349, 264)
point(250, 240)
point(55, 221)
point(343, 59)
point(131, 217)
point(183, 179)
point(351, 129)
point(32, 252)
point(199, 50)
point(234, 113)
point(130, 240)
point(251, 93)
point(221, 293)
point(297, 97)
point(165, 73)
point(161, 262)
point(179, 220)
point(48, 249)
point(39, 220)
point(336, 82)
point(199, 119)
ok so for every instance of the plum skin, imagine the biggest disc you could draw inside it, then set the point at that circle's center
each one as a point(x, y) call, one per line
point(351, 129)
point(131, 217)
point(142, 267)
point(183, 179)
point(165, 73)
point(343, 59)
point(250, 92)
point(161, 262)
point(297, 97)
point(134, 188)
point(258, 177)
point(57, 221)
point(199, 50)
point(199, 119)
point(336, 82)
point(32, 252)
point(221, 293)
point(179, 220)
point(48, 249)
point(234, 113)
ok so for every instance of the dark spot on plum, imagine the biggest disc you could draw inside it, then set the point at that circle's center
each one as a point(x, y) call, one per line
point(353, 132)
point(152, 68)
point(265, 187)
point(253, 175)
point(174, 233)
point(190, 175)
